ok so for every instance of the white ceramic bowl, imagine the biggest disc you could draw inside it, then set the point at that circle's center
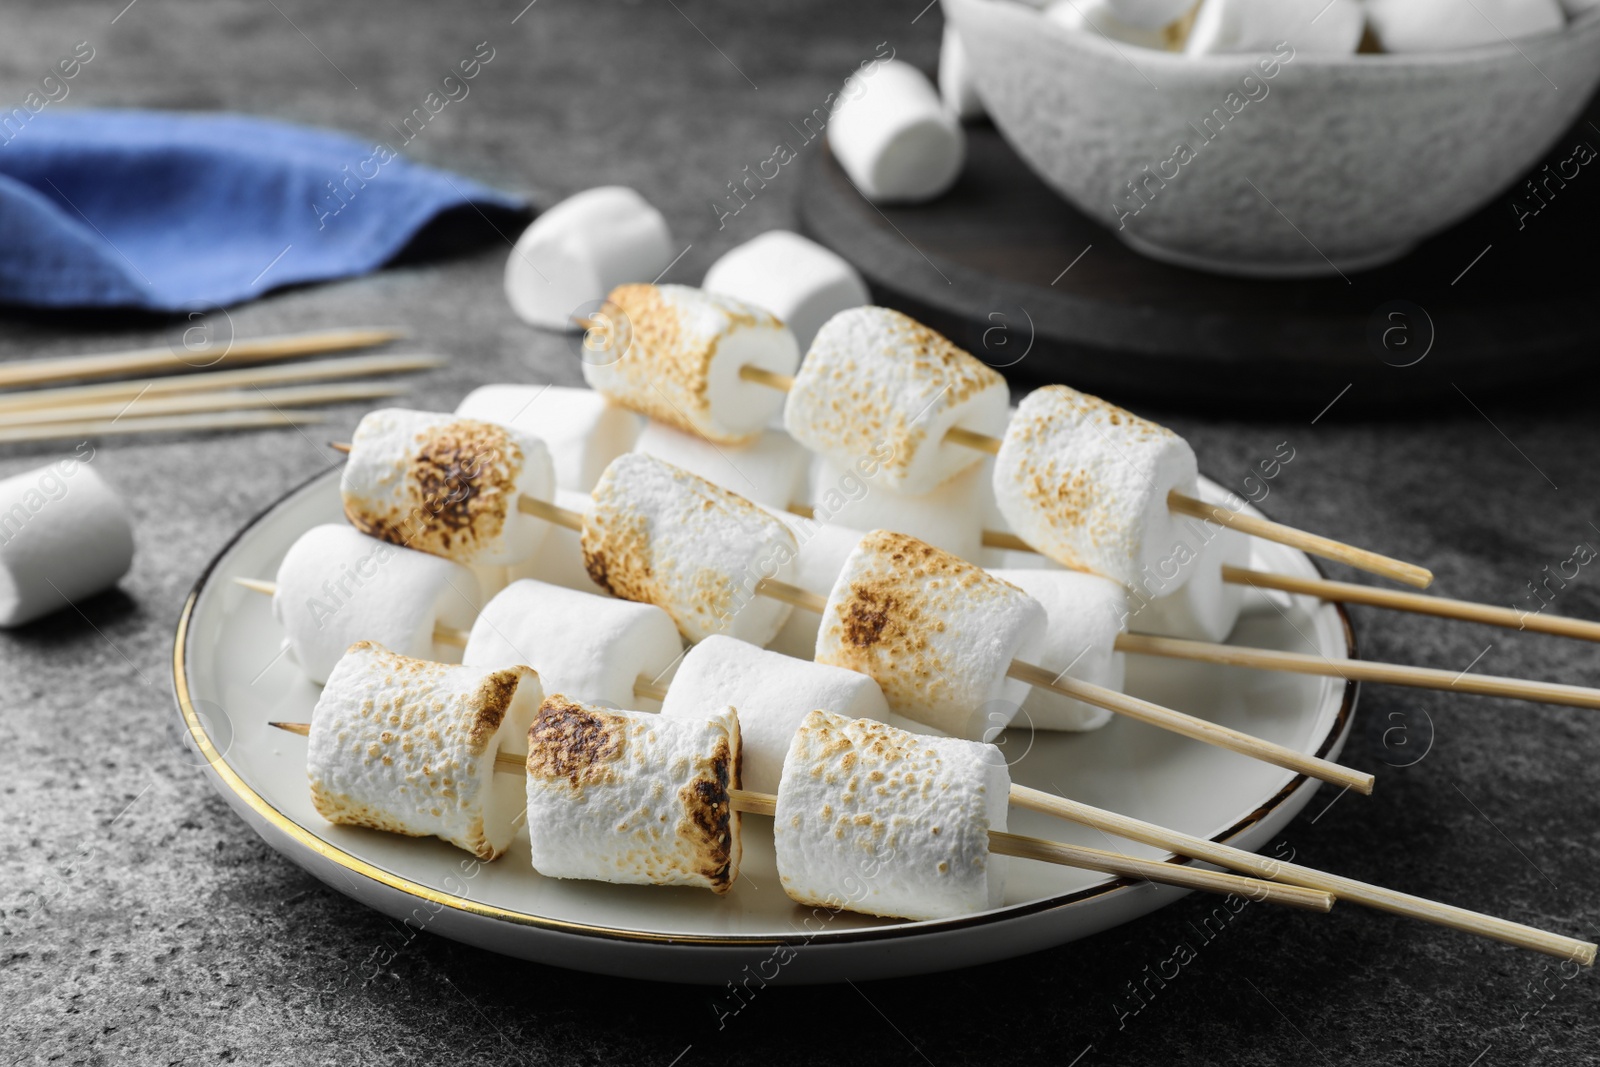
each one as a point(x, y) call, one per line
point(1332, 163)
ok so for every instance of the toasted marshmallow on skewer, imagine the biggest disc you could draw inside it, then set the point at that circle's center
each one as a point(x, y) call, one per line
point(625, 796)
point(64, 535)
point(1445, 25)
point(957, 88)
point(893, 136)
point(408, 746)
point(582, 428)
point(1086, 483)
point(891, 823)
point(446, 485)
point(879, 384)
point(337, 586)
point(559, 559)
point(674, 353)
point(666, 537)
point(1312, 27)
point(582, 248)
point(824, 546)
point(937, 633)
point(798, 280)
point(772, 693)
point(1204, 608)
point(769, 469)
point(1086, 614)
point(592, 647)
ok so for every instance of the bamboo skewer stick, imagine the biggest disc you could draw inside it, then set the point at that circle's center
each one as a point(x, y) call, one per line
point(158, 360)
point(1342, 888)
point(226, 420)
point(187, 403)
point(1315, 544)
point(1060, 853)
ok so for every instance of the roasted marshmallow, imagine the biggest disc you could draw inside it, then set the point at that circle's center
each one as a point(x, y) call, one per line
point(583, 430)
point(64, 536)
point(893, 136)
point(798, 280)
point(1086, 615)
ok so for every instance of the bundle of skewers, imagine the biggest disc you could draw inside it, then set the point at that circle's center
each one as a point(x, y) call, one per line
point(517, 580)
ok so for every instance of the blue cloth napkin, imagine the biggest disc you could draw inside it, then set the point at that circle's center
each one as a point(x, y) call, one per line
point(175, 212)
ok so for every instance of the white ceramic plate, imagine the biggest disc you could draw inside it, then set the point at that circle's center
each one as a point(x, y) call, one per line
point(230, 682)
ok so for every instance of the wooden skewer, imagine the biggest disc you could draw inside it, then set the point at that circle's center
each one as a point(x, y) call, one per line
point(1317, 545)
point(1033, 848)
point(157, 360)
point(185, 403)
point(216, 381)
point(226, 420)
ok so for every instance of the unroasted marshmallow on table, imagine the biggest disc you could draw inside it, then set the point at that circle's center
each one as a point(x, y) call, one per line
point(64, 536)
point(582, 248)
point(1086, 614)
point(893, 136)
point(772, 694)
point(446, 485)
point(769, 469)
point(632, 797)
point(583, 430)
point(1310, 27)
point(824, 546)
point(957, 88)
point(585, 647)
point(337, 586)
point(408, 746)
point(798, 280)
point(1445, 25)
point(885, 822)
point(663, 536)
point(1086, 483)
point(937, 634)
point(878, 384)
point(949, 516)
point(674, 353)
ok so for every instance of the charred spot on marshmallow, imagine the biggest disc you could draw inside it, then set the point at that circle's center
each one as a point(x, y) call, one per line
point(708, 817)
point(574, 741)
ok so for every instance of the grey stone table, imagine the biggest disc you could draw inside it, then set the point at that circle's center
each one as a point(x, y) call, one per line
point(141, 922)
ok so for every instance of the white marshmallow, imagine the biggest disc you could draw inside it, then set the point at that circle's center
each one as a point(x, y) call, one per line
point(446, 485)
point(823, 549)
point(1205, 608)
point(585, 647)
point(769, 469)
point(1311, 27)
point(666, 537)
point(893, 137)
point(950, 516)
point(1149, 14)
point(913, 846)
point(772, 694)
point(1087, 614)
point(1444, 25)
point(1098, 16)
point(878, 386)
point(582, 429)
point(408, 746)
point(957, 87)
point(624, 796)
point(1086, 483)
point(559, 560)
point(581, 249)
point(674, 353)
point(64, 536)
point(798, 280)
point(937, 634)
point(337, 586)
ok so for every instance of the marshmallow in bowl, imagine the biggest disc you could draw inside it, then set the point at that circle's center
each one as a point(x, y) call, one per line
point(1311, 27)
point(588, 647)
point(582, 429)
point(1204, 608)
point(446, 485)
point(936, 633)
point(877, 384)
point(666, 537)
point(1086, 614)
point(885, 822)
point(1150, 14)
point(824, 546)
point(579, 250)
point(559, 559)
point(1085, 482)
point(1098, 16)
point(957, 87)
point(64, 535)
point(949, 516)
point(893, 136)
point(408, 746)
point(798, 280)
point(337, 586)
point(772, 694)
point(635, 798)
point(770, 469)
point(674, 353)
point(1444, 25)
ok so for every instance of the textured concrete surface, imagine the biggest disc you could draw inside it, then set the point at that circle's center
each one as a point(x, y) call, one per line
point(140, 922)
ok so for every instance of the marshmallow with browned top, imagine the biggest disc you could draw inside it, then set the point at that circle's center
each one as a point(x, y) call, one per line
point(877, 381)
point(891, 823)
point(635, 798)
point(937, 633)
point(409, 746)
point(446, 485)
point(666, 537)
point(674, 353)
point(1087, 614)
point(1085, 483)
